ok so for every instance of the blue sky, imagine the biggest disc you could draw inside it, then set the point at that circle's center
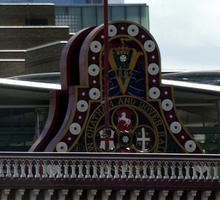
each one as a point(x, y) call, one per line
point(187, 32)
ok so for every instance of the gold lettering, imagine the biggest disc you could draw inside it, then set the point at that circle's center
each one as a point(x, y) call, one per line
point(90, 133)
point(157, 120)
point(149, 110)
point(120, 101)
point(130, 101)
point(143, 105)
point(93, 123)
point(99, 113)
point(90, 147)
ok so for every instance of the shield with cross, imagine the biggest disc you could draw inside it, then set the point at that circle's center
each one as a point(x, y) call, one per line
point(107, 139)
point(144, 138)
point(142, 113)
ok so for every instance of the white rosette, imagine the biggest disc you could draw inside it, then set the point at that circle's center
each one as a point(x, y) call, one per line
point(94, 93)
point(93, 70)
point(167, 105)
point(133, 30)
point(112, 30)
point(82, 106)
point(123, 58)
point(95, 46)
point(153, 69)
point(175, 127)
point(61, 147)
point(75, 128)
point(190, 146)
point(149, 46)
point(154, 92)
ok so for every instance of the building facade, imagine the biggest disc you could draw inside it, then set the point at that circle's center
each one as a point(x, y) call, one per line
point(64, 2)
point(57, 2)
point(79, 17)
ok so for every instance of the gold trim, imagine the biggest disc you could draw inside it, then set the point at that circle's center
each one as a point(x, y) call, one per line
point(133, 107)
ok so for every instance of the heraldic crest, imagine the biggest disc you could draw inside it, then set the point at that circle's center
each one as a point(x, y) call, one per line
point(142, 111)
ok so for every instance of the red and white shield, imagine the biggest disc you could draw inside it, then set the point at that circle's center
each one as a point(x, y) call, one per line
point(107, 142)
point(124, 119)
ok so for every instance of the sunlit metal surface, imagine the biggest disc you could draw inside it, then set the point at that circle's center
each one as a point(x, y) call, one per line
point(30, 84)
point(53, 86)
point(199, 86)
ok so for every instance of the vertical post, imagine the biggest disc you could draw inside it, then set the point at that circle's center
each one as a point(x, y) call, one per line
point(218, 120)
point(106, 74)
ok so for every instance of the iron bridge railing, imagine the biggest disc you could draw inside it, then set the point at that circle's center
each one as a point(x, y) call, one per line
point(109, 170)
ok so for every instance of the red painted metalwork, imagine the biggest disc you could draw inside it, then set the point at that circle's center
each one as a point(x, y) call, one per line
point(57, 112)
point(70, 59)
point(59, 101)
point(83, 54)
point(106, 71)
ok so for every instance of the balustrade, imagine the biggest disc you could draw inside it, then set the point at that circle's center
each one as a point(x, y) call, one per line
point(109, 166)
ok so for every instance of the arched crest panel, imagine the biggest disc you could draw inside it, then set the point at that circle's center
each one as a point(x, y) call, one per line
point(142, 111)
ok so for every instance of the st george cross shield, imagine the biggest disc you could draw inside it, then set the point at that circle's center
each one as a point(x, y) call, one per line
point(106, 140)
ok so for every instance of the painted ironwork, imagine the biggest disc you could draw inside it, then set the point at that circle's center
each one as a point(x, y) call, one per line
point(142, 109)
point(106, 76)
